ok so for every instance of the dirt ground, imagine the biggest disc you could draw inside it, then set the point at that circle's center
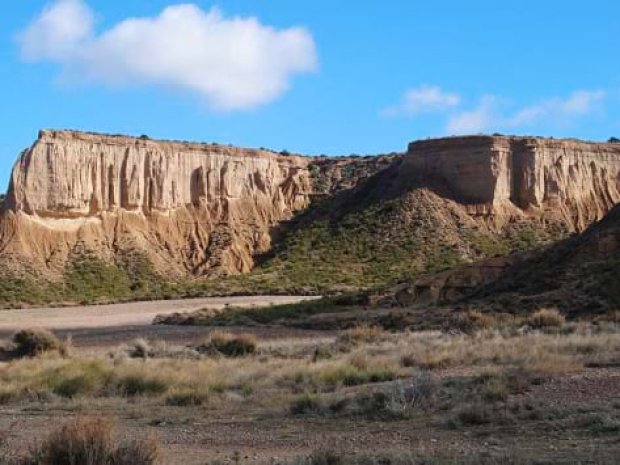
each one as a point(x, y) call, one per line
point(239, 429)
point(103, 326)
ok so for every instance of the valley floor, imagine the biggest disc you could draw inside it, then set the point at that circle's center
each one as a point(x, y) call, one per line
point(491, 396)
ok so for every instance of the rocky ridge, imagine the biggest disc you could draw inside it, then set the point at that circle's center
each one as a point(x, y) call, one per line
point(210, 210)
point(193, 209)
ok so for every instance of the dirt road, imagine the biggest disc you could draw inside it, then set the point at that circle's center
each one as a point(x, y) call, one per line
point(104, 324)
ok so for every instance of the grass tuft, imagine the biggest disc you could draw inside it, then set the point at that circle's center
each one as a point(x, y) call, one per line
point(228, 344)
point(35, 342)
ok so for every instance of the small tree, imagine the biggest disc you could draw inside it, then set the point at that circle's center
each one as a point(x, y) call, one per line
point(614, 140)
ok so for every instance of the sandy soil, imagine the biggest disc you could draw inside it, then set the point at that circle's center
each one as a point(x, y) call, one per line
point(103, 326)
point(126, 314)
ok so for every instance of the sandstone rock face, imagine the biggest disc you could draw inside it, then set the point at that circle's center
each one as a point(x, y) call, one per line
point(193, 208)
point(576, 181)
point(207, 210)
point(75, 175)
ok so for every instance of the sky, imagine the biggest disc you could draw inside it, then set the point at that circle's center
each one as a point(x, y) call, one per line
point(313, 77)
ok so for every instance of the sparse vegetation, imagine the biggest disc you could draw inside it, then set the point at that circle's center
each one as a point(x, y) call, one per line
point(91, 442)
point(35, 342)
point(229, 345)
point(546, 318)
point(483, 380)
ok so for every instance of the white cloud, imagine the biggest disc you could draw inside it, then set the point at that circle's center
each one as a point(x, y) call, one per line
point(579, 103)
point(424, 99)
point(476, 120)
point(233, 63)
point(491, 114)
point(57, 31)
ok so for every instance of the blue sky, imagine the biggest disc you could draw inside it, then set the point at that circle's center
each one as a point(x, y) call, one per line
point(308, 76)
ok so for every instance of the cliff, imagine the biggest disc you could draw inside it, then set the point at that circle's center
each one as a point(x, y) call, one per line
point(575, 181)
point(193, 209)
point(210, 210)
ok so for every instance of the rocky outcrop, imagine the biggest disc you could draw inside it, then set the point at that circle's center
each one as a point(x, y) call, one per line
point(193, 209)
point(208, 209)
point(499, 176)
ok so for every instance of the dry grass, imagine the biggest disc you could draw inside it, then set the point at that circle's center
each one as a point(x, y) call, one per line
point(91, 442)
point(363, 334)
point(228, 344)
point(546, 318)
point(188, 381)
point(35, 342)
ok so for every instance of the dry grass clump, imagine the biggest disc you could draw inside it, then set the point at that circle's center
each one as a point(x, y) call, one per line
point(35, 342)
point(546, 318)
point(228, 344)
point(306, 404)
point(187, 397)
point(91, 442)
point(363, 334)
point(140, 348)
point(474, 320)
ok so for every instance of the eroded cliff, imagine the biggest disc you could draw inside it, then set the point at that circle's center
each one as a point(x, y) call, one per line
point(499, 176)
point(211, 210)
point(192, 209)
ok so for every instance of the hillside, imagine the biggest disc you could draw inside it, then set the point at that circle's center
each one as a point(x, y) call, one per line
point(447, 202)
point(580, 275)
point(90, 216)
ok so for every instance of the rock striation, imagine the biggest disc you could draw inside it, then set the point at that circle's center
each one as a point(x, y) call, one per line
point(192, 208)
point(209, 210)
point(499, 176)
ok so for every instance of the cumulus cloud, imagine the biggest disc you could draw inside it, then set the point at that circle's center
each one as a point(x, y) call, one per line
point(579, 103)
point(476, 120)
point(233, 63)
point(424, 99)
point(491, 114)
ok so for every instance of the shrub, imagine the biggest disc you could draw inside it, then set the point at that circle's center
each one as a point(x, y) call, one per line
point(321, 353)
point(325, 457)
point(473, 320)
point(362, 333)
point(91, 442)
point(305, 404)
point(228, 344)
point(140, 348)
point(546, 318)
point(34, 342)
point(432, 361)
point(135, 385)
point(473, 415)
point(186, 399)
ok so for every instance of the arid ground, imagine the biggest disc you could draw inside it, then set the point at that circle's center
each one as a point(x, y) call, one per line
point(536, 391)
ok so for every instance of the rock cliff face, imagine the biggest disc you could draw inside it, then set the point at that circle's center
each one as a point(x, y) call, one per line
point(208, 210)
point(575, 181)
point(192, 208)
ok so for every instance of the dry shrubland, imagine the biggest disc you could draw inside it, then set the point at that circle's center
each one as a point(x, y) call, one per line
point(473, 379)
point(249, 366)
